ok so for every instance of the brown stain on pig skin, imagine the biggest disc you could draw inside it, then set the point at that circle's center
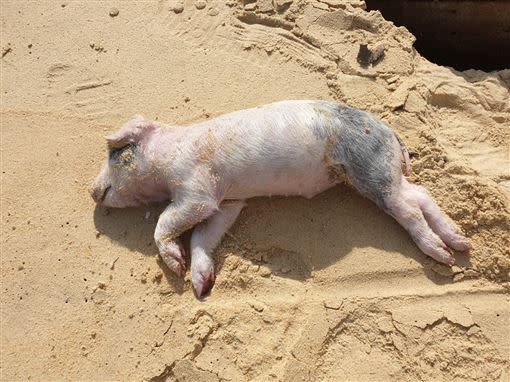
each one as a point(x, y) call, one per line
point(336, 171)
point(122, 156)
point(126, 158)
point(206, 150)
point(336, 174)
point(206, 153)
point(161, 172)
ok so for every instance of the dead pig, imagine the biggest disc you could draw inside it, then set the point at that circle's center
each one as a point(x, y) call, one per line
point(210, 168)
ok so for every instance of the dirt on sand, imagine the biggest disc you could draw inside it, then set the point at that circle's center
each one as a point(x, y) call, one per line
point(325, 289)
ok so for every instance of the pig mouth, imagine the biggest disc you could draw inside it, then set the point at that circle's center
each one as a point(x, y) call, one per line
point(104, 194)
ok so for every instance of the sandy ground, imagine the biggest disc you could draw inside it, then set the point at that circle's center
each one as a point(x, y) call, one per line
point(325, 289)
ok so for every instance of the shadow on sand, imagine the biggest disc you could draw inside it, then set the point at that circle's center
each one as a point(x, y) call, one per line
point(291, 236)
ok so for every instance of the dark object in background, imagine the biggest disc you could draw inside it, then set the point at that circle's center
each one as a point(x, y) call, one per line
point(367, 56)
point(463, 34)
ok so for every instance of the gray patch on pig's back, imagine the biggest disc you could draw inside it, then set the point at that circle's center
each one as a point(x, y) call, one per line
point(362, 146)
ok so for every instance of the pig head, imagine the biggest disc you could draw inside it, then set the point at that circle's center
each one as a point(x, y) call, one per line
point(128, 177)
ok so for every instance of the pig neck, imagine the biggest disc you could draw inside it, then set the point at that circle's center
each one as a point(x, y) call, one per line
point(163, 150)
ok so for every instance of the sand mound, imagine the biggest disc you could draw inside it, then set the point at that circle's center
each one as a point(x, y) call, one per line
point(323, 289)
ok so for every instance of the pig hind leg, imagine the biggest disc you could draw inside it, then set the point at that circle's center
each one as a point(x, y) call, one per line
point(410, 208)
point(440, 223)
point(370, 154)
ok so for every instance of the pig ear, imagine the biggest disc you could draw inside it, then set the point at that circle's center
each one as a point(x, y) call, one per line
point(131, 132)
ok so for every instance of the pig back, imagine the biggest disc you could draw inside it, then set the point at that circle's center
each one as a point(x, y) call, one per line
point(269, 150)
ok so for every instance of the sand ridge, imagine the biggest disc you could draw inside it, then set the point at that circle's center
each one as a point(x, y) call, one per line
point(324, 289)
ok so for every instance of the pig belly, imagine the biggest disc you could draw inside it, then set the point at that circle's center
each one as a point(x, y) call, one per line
point(306, 182)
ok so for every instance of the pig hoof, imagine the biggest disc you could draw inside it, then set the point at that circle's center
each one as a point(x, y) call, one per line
point(451, 261)
point(174, 260)
point(176, 266)
point(203, 283)
point(444, 255)
point(460, 243)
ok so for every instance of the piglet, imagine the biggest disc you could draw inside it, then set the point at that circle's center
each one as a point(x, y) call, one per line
point(208, 169)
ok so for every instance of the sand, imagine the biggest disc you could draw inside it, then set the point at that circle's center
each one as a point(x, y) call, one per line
point(325, 289)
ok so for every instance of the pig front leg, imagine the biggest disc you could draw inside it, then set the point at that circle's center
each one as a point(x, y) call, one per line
point(204, 239)
point(175, 219)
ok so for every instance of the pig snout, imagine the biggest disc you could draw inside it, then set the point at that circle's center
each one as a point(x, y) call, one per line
point(100, 187)
point(98, 192)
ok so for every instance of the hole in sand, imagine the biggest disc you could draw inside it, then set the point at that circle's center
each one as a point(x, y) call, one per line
point(463, 34)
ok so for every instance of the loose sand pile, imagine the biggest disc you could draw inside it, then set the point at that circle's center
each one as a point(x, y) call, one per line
point(323, 289)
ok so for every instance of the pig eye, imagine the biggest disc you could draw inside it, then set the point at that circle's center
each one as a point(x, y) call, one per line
point(122, 155)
